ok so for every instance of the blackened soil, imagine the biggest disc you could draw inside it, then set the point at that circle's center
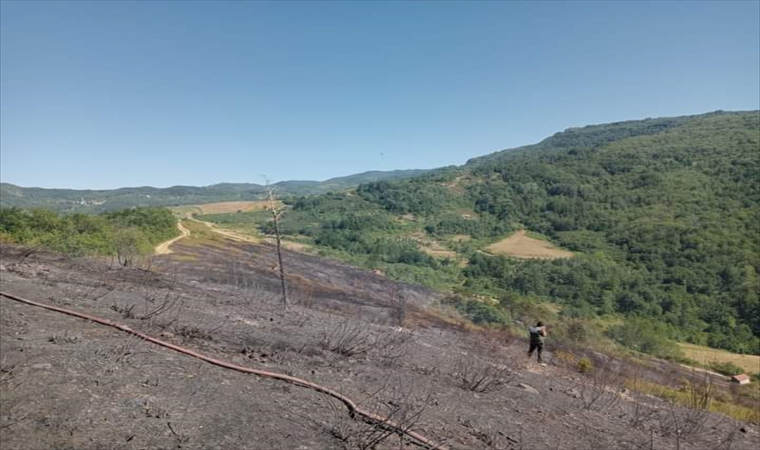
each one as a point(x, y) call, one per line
point(71, 384)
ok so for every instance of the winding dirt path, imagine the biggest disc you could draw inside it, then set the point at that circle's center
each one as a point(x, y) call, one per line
point(163, 248)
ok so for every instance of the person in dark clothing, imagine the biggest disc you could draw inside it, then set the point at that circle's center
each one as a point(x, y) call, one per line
point(537, 335)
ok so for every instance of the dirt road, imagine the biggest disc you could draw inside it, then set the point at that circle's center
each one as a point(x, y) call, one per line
point(163, 248)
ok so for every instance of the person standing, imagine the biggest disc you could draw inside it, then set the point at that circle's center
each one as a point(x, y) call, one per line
point(537, 336)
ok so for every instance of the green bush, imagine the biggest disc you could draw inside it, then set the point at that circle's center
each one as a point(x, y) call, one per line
point(726, 368)
point(585, 365)
point(645, 336)
point(479, 312)
point(574, 331)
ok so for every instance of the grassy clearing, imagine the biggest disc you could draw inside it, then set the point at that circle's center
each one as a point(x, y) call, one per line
point(197, 229)
point(184, 258)
point(520, 245)
point(232, 207)
point(184, 211)
point(297, 246)
point(245, 231)
point(457, 186)
point(683, 397)
point(438, 253)
point(222, 207)
point(210, 234)
point(605, 322)
point(201, 234)
point(433, 247)
point(707, 355)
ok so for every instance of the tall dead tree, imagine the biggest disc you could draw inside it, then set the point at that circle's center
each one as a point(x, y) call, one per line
point(276, 213)
point(398, 303)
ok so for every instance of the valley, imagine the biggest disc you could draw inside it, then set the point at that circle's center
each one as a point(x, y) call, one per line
point(411, 298)
point(654, 218)
point(388, 225)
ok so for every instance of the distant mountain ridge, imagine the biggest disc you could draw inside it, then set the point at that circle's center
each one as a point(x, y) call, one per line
point(594, 136)
point(88, 200)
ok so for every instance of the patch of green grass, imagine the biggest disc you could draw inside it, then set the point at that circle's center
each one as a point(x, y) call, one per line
point(183, 257)
point(184, 211)
point(201, 234)
point(685, 398)
point(249, 218)
point(707, 356)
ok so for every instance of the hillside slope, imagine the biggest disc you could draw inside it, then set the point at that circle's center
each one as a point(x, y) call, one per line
point(662, 215)
point(70, 383)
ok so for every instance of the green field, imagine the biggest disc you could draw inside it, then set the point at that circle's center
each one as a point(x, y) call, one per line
point(706, 355)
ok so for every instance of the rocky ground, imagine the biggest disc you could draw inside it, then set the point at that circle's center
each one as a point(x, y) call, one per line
point(67, 383)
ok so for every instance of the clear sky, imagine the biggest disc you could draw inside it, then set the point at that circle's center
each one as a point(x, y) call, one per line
point(115, 93)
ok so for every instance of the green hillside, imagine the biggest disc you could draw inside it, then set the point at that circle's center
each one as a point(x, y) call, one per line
point(94, 201)
point(662, 215)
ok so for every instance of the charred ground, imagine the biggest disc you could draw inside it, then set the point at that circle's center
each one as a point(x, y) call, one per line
point(71, 384)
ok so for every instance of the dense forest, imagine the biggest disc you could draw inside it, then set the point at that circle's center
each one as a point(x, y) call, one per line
point(663, 216)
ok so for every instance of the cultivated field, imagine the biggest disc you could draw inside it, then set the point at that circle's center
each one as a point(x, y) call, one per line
point(706, 355)
point(222, 207)
point(520, 245)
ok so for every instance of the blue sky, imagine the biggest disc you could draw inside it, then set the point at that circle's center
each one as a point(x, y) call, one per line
point(110, 94)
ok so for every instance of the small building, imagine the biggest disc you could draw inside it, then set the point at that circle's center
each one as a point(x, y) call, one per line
point(740, 379)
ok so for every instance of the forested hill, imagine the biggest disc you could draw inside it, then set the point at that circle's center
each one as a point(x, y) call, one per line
point(72, 200)
point(663, 215)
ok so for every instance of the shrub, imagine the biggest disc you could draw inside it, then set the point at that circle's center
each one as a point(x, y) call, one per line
point(726, 368)
point(347, 337)
point(585, 365)
point(573, 331)
point(483, 375)
point(566, 357)
point(479, 312)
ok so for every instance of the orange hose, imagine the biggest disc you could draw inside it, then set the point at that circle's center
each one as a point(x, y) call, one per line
point(353, 409)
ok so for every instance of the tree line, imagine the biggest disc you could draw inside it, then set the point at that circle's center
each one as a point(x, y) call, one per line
point(125, 233)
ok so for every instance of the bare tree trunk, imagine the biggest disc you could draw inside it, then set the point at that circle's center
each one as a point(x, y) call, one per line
point(279, 260)
point(399, 306)
point(276, 218)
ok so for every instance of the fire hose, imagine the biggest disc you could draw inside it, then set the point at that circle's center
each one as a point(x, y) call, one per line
point(353, 409)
